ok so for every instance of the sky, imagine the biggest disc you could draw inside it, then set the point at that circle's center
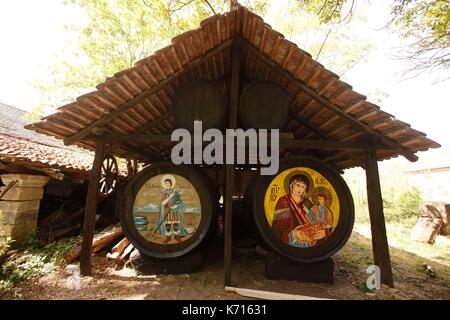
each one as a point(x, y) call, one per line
point(32, 33)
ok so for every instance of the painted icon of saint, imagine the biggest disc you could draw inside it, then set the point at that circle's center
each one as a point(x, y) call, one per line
point(322, 214)
point(171, 211)
point(294, 222)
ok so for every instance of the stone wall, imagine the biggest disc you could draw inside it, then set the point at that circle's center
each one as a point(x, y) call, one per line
point(19, 207)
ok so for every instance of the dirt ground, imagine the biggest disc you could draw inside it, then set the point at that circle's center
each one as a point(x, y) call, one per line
point(248, 272)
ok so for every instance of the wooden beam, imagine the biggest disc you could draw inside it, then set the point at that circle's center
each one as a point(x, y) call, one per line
point(141, 138)
point(325, 102)
point(229, 168)
point(324, 136)
point(144, 95)
point(375, 202)
point(322, 144)
point(91, 208)
point(28, 167)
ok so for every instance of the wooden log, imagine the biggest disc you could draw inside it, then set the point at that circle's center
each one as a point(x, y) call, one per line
point(113, 256)
point(120, 246)
point(91, 208)
point(106, 237)
point(118, 249)
point(268, 295)
point(99, 241)
point(73, 255)
point(126, 253)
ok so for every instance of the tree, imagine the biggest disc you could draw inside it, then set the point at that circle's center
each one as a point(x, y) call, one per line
point(321, 28)
point(426, 25)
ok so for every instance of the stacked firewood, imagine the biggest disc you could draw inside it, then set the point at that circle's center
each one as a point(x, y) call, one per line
point(434, 219)
point(106, 238)
point(121, 251)
point(100, 241)
point(64, 222)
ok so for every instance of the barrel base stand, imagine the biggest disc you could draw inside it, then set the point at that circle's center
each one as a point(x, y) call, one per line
point(187, 263)
point(278, 267)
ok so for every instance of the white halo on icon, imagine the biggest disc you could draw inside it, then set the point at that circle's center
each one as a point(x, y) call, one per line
point(168, 177)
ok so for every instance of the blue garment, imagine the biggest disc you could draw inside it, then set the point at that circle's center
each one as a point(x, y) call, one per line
point(298, 243)
point(175, 200)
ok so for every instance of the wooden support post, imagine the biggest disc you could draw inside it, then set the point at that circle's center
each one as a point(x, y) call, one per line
point(91, 208)
point(375, 201)
point(229, 169)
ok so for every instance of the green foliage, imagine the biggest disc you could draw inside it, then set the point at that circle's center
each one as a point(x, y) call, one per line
point(328, 11)
point(427, 24)
point(5, 245)
point(35, 261)
point(404, 207)
point(362, 286)
point(336, 45)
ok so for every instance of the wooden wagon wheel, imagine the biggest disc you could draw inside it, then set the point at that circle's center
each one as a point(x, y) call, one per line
point(108, 176)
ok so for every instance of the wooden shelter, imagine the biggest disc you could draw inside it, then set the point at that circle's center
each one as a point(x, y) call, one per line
point(129, 115)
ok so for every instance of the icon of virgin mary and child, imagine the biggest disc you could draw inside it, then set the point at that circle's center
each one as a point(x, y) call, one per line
point(297, 221)
point(171, 211)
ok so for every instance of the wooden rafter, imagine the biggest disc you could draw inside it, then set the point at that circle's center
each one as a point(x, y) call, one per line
point(324, 136)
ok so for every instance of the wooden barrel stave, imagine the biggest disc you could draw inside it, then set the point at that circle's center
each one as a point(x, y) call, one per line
point(202, 100)
point(264, 105)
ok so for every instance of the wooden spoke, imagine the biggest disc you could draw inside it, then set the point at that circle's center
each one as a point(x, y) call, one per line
point(108, 176)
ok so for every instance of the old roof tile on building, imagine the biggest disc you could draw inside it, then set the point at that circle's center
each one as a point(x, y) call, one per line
point(23, 147)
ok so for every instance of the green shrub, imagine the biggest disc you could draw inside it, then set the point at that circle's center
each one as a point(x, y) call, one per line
point(5, 244)
point(35, 261)
point(404, 207)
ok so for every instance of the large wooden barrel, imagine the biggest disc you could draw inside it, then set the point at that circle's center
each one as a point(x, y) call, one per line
point(305, 212)
point(264, 105)
point(199, 100)
point(168, 210)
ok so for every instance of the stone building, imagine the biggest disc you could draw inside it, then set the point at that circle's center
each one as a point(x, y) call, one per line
point(32, 167)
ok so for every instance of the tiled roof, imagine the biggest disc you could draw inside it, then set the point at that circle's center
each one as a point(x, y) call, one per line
point(28, 148)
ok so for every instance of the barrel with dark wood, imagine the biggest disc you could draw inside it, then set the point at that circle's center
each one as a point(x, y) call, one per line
point(305, 212)
point(264, 105)
point(168, 210)
point(202, 100)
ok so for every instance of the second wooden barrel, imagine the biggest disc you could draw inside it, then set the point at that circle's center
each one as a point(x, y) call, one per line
point(305, 212)
point(168, 210)
point(202, 100)
point(264, 105)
